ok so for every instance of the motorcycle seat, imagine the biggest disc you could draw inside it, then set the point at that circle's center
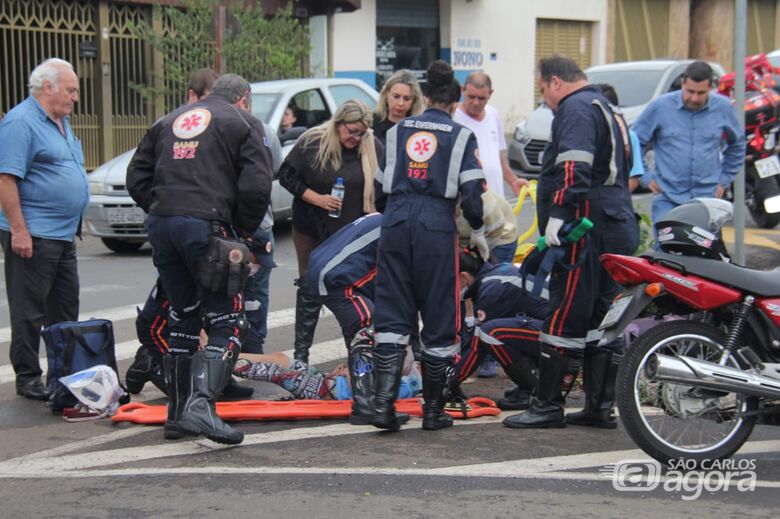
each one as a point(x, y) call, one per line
point(758, 282)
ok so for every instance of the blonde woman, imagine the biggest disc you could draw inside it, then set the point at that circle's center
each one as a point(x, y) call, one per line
point(342, 147)
point(400, 97)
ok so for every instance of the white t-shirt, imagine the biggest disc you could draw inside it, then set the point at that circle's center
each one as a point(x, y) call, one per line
point(490, 140)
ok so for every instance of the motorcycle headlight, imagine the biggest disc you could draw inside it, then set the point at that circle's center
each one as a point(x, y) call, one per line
point(521, 134)
point(97, 188)
point(772, 204)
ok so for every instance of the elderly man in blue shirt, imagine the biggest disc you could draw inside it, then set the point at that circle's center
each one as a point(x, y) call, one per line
point(43, 196)
point(699, 144)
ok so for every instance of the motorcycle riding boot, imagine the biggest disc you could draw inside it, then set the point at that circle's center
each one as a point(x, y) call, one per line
point(388, 365)
point(435, 373)
point(145, 368)
point(307, 313)
point(208, 376)
point(546, 409)
point(599, 373)
point(361, 377)
point(177, 381)
point(523, 374)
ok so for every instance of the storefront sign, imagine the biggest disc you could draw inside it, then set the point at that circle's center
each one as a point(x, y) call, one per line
point(468, 53)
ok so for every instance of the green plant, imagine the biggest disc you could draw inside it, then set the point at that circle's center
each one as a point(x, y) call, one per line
point(186, 43)
point(645, 233)
point(254, 46)
point(262, 49)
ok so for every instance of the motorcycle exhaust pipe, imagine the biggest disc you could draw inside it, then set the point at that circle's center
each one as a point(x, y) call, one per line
point(700, 373)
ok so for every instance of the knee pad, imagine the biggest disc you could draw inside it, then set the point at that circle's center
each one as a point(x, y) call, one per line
point(184, 335)
point(225, 331)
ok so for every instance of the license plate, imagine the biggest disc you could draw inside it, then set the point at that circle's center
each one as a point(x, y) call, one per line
point(614, 314)
point(126, 215)
point(768, 167)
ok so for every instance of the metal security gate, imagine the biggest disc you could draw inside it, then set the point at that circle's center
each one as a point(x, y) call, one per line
point(110, 117)
point(33, 30)
point(130, 116)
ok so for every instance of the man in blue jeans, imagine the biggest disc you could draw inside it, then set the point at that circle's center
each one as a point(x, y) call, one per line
point(257, 291)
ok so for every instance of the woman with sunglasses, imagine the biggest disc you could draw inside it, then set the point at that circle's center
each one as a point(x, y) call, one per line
point(400, 97)
point(342, 147)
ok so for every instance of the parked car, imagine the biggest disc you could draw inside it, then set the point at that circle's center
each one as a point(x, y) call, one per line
point(115, 218)
point(636, 82)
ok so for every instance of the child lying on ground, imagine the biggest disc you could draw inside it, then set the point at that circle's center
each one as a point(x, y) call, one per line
point(308, 383)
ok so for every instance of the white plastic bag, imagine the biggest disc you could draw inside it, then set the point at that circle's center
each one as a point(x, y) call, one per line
point(97, 388)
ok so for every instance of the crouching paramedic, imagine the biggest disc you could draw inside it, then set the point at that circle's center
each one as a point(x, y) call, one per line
point(584, 174)
point(429, 160)
point(509, 318)
point(203, 173)
point(341, 275)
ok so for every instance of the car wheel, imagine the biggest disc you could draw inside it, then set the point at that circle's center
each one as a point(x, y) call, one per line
point(122, 245)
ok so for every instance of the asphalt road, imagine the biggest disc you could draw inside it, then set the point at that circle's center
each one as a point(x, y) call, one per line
point(319, 468)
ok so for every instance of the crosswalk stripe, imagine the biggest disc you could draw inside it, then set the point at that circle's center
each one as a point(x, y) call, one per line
point(321, 352)
point(276, 319)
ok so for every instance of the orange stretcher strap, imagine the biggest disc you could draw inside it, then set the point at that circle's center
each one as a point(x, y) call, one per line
point(293, 410)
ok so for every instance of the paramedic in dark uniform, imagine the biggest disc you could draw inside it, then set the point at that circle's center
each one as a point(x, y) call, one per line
point(509, 317)
point(202, 171)
point(429, 160)
point(584, 174)
point(342, 275)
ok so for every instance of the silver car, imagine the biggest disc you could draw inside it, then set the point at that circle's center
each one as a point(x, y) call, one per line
point(636, 82)
point(114, 216)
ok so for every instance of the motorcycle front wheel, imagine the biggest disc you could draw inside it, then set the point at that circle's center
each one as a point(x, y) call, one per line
point(671, 421)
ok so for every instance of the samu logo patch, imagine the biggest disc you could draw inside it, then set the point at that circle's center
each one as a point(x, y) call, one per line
point(191, 123)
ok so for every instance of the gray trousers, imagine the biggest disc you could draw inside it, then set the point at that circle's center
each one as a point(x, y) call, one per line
point(42, 290)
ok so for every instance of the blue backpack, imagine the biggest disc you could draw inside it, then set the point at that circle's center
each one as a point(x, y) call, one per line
point(74, 346)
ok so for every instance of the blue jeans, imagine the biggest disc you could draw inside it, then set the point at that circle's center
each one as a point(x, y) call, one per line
point(661, 206)
point(257, 295)
point(504, 253)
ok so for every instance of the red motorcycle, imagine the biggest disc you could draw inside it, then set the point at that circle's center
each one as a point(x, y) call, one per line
point(762, 121)
point(694, 388)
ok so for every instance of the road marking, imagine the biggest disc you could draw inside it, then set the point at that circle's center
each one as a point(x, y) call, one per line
point(320, 352)
point(276, 319)
point(57, 464)
point(752, 237)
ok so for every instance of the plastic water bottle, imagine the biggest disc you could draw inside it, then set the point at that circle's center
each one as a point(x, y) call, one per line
point(338, 192)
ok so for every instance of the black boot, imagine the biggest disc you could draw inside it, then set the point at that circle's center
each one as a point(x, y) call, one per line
point(361, 376)
point(599, 373)
point(177, 381)
point(208, 377)
point(546, 410)
point(235, 391)
point(523, 374)
point(307, 313)
point(388, 365)
point(434, 373)
point(145, 368)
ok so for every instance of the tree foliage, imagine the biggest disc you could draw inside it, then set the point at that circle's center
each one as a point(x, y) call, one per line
point(253, 46)
point(261, 49)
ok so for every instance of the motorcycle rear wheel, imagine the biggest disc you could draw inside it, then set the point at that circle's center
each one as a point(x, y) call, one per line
point(672, 421)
